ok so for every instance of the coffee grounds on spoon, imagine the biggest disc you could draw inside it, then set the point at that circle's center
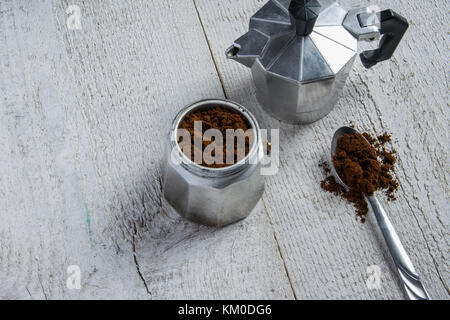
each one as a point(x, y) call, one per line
point(365, 166)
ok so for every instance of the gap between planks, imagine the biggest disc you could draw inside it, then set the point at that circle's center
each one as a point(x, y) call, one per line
point(136, 263)
point(279, 249)
point(222, 83)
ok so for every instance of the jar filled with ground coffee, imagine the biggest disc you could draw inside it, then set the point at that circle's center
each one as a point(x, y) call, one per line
point(211, 180)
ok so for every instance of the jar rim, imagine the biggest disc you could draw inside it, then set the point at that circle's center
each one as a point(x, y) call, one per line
point(207, 171)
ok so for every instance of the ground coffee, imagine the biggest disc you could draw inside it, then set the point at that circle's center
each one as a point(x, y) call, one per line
point(365, 166)
point(221, 119)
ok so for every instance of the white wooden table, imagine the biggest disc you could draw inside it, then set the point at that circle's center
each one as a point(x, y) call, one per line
point(83, 118)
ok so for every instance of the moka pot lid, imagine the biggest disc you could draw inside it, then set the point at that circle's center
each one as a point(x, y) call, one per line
point(300, 40)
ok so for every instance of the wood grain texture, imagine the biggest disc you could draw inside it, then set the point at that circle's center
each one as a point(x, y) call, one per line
point(325, 250)
point(83, 120)
point(85, 115)
point(49, 169)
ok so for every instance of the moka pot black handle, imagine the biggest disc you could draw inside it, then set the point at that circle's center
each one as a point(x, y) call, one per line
point(393, 28)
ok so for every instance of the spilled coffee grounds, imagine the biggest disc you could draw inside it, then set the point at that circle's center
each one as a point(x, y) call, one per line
point(366, 166)
point(221, 119)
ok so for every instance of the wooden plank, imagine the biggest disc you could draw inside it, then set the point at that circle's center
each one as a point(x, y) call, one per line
point(48, 221)
point(84, 117)
point(325, 249)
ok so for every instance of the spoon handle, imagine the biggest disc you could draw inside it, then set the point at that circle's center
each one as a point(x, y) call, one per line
point(411, 281)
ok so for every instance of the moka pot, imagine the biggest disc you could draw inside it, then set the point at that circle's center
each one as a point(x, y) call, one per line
point(301, 52)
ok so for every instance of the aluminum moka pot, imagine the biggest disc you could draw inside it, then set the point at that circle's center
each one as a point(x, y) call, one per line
point(301, 53)
point(215, 197)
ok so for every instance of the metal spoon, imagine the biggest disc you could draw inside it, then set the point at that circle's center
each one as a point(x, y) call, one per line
point(411, 281)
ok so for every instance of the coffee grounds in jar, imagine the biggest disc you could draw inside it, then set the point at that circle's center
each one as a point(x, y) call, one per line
point(222, 119)
point(365, 166)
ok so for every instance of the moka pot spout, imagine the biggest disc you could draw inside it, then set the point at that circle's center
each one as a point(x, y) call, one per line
point(247, 48)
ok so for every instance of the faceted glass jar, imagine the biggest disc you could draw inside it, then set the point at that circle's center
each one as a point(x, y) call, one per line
point(210, 196)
